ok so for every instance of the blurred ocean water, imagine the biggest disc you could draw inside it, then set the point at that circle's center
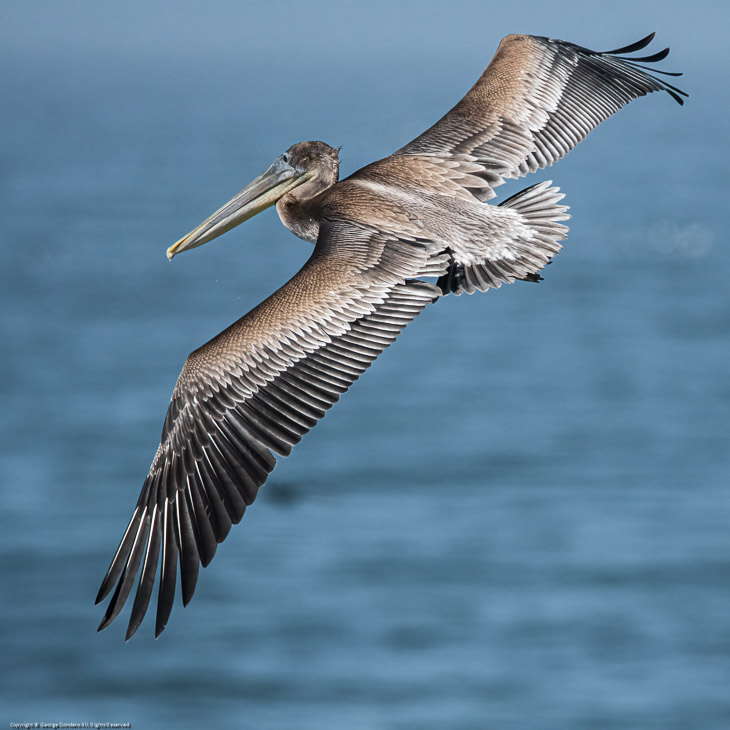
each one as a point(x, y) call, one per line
point(518, 518)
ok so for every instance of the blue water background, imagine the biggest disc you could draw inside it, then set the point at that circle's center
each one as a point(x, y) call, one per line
point(517, 519)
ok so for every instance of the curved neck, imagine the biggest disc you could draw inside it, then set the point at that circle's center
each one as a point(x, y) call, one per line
point(298, 209)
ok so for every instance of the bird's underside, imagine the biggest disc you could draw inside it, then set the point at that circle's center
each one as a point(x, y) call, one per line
point(254, 390)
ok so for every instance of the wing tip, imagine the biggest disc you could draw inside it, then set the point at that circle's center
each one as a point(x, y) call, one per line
point(103, 592)
point(632, 47)
point(637, 61)
point(130, 633)
point(159, 628)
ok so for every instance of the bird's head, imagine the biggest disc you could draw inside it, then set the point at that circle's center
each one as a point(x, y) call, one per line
point(310, 167)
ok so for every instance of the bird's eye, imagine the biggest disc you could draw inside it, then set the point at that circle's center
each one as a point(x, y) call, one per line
point(286, 157)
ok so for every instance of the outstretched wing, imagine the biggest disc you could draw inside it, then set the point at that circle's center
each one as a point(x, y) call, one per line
point(252, 392)
point(535, 101)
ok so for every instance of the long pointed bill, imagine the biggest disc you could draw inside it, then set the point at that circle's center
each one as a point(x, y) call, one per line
point(262, 193)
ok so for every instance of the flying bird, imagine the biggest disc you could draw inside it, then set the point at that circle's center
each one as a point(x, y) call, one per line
point(379, 235)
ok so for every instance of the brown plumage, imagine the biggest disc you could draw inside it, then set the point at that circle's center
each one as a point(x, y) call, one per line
point(255, 389)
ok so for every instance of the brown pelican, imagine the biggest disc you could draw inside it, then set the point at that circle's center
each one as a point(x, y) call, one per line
point(255, 389)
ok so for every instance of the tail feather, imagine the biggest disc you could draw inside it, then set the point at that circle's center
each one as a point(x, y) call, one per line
point(540, 212)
